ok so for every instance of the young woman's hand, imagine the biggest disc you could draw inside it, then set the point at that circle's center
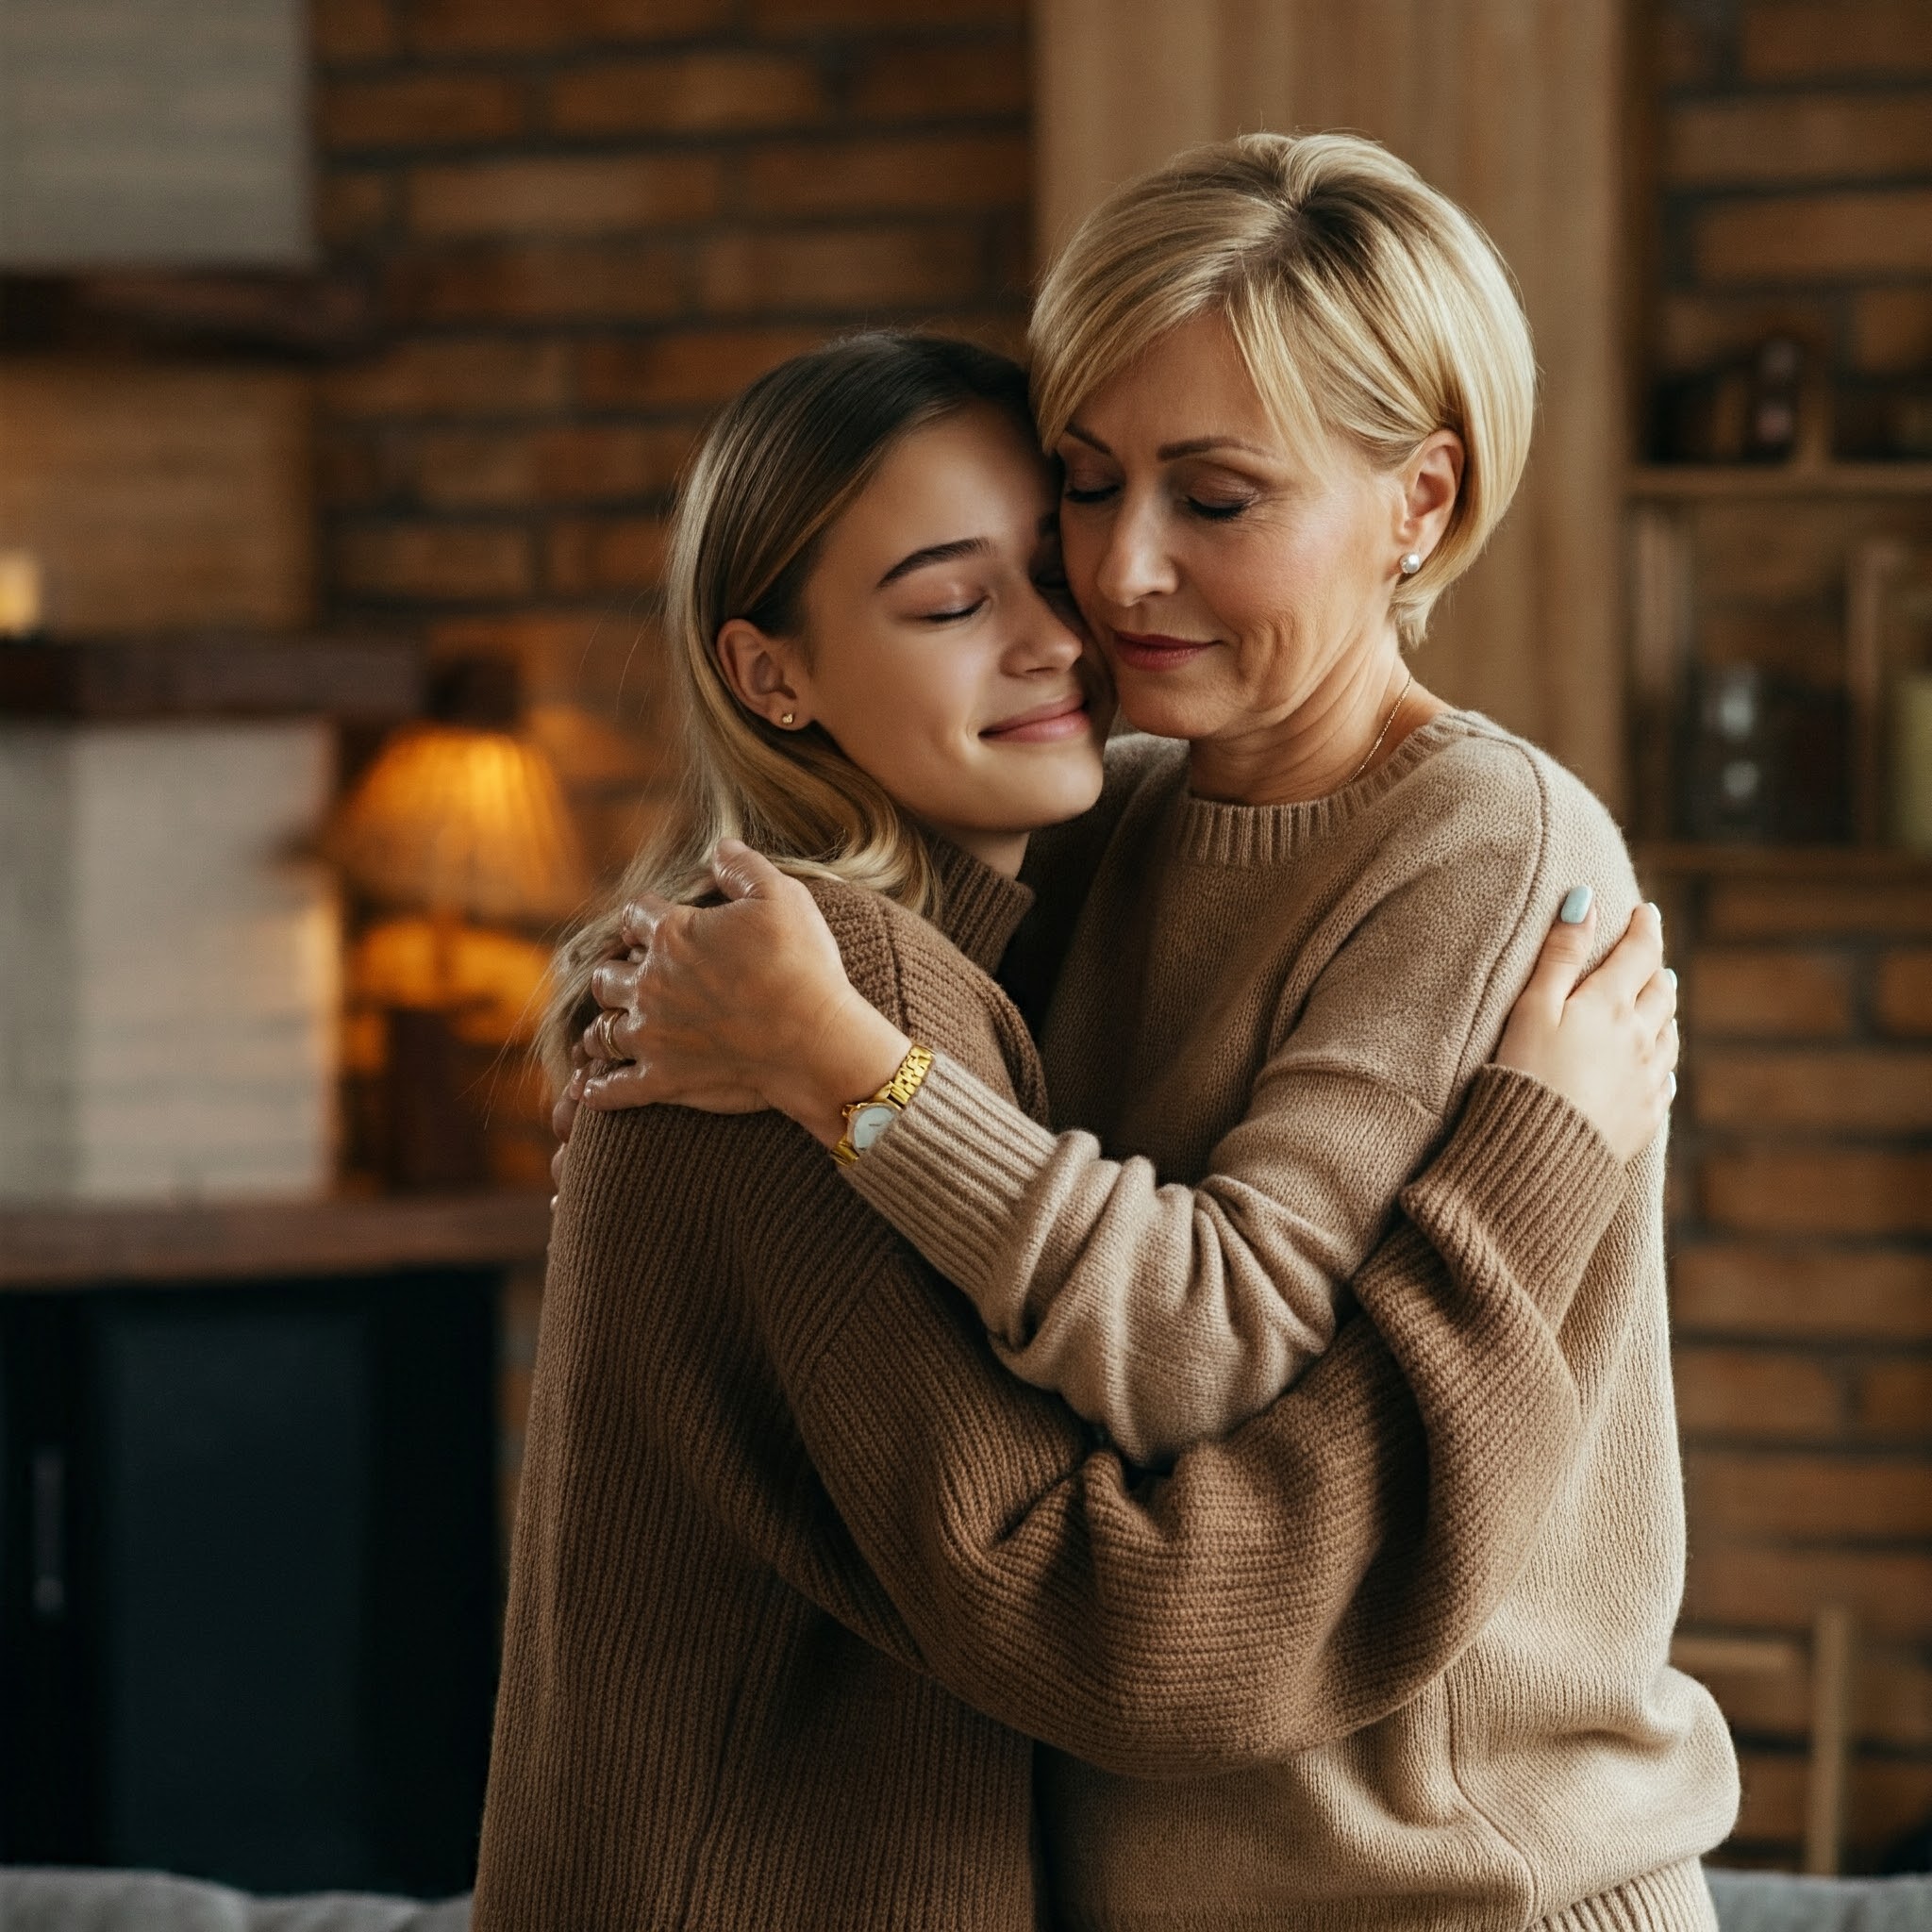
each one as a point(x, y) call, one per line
point(1607, 1042)
point(736, 1006)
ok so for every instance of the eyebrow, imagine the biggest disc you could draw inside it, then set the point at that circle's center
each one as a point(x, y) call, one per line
point(933, 553)
point(1171, 452)
point(947, 553)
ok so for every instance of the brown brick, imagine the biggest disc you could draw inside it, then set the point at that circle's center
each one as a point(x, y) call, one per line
point(353, 207)
point(1814, 909)
point(1817, 236)
point(561, 281)
point(688, 94)
point(342, 31)
point(437, 561)
point(693, 367)
point(1761, 1587)
point(418, 110)
point(584, 556)
point(355, 468)
point(574, 464)
point(829, 271)
point(1779, 993)
point(1807, 40)
point(1894, 1399)
point(1904, 990)
point(1868, 1090)
point(1811, 137)
point(939, 81)
point(1891, 330)
point(1737, 1392)
point(792, 16)
point(1883, 1798)
point(1689, 53)
point(506, 26)
point(1827, 1192)
point(856, 176)
point(555, 197)
point(1779, 1495)
point(1801, 1293)
point(463, 378)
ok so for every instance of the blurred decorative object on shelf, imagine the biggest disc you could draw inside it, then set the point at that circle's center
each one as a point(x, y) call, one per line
point(1771, 409)
point(1888, 646)
point(1886, 422)
point(20, 596)
point(460, 818)
point(1730, 768)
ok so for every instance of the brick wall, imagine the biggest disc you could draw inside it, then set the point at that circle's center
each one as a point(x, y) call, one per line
point(1801, 1212)
point(1795, 163)
point(587, 223)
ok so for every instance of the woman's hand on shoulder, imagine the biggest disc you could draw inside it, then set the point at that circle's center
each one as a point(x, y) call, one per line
point(736, 1006)
point(1606, 1041)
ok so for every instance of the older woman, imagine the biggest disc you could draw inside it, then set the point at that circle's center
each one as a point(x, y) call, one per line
point(1291, 388)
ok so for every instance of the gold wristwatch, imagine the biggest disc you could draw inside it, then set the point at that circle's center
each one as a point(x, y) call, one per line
point(866, 1119)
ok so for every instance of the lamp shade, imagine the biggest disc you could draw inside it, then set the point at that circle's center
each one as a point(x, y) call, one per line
point(463, 821)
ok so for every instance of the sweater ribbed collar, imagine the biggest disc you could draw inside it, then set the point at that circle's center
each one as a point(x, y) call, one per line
point(1208, 832)
point(978, 910)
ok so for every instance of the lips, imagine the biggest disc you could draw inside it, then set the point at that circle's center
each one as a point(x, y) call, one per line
point(1150, 651)
point(1045, 724)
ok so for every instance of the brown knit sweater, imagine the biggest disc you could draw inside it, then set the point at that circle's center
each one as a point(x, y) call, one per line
point(749, 1640)
point(1263, 1019)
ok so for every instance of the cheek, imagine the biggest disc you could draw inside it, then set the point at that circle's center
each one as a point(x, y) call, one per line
point(900, 714)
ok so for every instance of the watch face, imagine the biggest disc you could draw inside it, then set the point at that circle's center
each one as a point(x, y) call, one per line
point(869, 1122)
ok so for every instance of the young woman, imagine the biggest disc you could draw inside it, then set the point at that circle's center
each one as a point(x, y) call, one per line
point(1291, 389)
point(740, 1690)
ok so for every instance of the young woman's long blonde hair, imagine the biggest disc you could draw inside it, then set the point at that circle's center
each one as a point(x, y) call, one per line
point(772, 476)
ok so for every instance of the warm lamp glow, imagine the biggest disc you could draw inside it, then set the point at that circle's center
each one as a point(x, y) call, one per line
point(463, 822)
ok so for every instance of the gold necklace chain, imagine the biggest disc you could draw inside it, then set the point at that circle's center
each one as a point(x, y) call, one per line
point(1386, 723)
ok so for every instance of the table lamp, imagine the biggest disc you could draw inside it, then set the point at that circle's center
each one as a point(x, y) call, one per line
point(460, 818)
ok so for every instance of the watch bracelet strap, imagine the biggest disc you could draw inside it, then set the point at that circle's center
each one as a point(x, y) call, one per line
point(897, 1094)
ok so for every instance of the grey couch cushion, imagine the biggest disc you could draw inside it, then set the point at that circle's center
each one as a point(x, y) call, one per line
point(47, 1900)
point(1775, 1902)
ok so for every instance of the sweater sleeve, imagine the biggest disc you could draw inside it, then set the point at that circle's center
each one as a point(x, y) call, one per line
point(1169, 1313)
point(1282, 1587)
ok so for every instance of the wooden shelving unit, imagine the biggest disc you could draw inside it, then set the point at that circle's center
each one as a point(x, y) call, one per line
point(1668, 482)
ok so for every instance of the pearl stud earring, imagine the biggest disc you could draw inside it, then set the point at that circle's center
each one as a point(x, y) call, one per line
point(1412, 562)
point(789, 718)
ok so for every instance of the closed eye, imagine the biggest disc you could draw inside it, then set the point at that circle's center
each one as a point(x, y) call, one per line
point(954, 615)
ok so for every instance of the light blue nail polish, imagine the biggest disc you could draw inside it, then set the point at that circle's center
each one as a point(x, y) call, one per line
point(1575, 905)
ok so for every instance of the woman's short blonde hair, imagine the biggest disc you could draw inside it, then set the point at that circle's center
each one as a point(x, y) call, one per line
point(1365, 305)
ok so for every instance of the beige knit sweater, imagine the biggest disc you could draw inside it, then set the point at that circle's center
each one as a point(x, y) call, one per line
point(788, 1530)
point(1264, 1019)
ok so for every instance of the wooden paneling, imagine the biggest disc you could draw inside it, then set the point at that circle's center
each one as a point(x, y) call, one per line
point(1513, 107)
point(158, 498)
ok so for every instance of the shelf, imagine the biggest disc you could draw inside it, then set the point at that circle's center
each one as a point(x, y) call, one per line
point(1656, 481)
point(226, 674)
point(1859, 862)
point(87, 1246)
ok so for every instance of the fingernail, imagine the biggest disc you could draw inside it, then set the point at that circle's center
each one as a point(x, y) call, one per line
point(1575, 905)
point(1671, 974)
point(1656, 912)
point(1671, 1086)
point(553, 1203)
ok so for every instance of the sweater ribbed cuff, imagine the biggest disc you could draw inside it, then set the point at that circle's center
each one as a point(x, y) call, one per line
point(1525, 1176)
point(951, 1173)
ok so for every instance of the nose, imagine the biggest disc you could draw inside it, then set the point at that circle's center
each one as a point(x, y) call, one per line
point(1134, 564)
point(1049, 640)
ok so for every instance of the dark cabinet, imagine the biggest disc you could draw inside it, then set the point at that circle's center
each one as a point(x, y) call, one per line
point(248, 1578)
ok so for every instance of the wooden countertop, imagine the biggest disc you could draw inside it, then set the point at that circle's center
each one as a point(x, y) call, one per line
point(83, 1246)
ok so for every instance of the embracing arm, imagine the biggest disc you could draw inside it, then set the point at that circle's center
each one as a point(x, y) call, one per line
point(1282, 1587)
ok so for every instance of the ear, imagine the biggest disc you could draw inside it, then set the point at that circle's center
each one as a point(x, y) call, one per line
point(765, 673)
point(1431, 481)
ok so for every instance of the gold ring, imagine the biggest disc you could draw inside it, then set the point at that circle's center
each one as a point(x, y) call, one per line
point(608, 1022)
